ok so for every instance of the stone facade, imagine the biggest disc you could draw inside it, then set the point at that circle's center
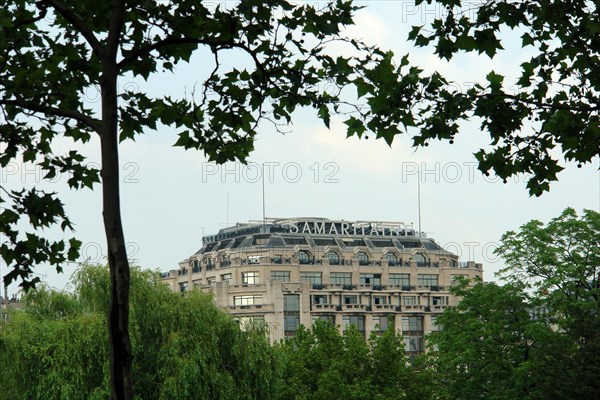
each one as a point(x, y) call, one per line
point(288, 272)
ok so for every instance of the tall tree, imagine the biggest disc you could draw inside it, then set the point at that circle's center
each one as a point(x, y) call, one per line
point(560, 261)
point(490, 347)
point(52, 52)
point(538, 335)
point(557, 102)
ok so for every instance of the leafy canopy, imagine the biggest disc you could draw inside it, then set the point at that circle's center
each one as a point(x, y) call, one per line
point(555, 109)
point(52, 54)
point(538, 335)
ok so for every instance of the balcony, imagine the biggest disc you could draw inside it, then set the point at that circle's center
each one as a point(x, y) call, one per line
point(324, 306)
point(259, 287)
point(383, 307)
point(251, 307)
point(355, 306)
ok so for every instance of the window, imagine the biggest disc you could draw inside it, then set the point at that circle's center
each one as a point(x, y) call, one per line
point(248, 322)
point(225, 262)
point(291, 314)
point(226, 278)
point(427, 280)
point(363, 258)
point(211, 280)
point(338, 278)
point(420, 260)
point(413, 343)
point(247, 300)
point(277, 259)
point(291, 323)
point(370, 279)
point(439, 301)
point(196, 266)
point(400, 280)
point(291, 302)
point(382, 322)
point(210, 265)
point(283, 276)
point(303, 257)
point(392, 259)
point(435, 327)
point(334, 258)
point(183, 286)
point(380, 300)
point(356, 320)
point(410, 300)
point(412, 324)
point(250, 278)
point(350, 299)
point(321, 299)
point(313, 277)
point(325, 317)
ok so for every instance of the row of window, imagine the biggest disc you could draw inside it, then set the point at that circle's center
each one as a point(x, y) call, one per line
point(293, 303)
point(321, 299)
point(335, 278)
point(339, 278)
point(304, 257)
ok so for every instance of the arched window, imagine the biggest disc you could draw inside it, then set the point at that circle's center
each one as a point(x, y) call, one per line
point(363, 258)
point(303, 257)
point(420, 260)
point(333, 257)
point(392, 259)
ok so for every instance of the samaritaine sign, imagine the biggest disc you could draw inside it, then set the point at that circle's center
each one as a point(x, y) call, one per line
point(327, 227)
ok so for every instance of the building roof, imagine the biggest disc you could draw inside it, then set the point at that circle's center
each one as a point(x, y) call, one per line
point(317, 232)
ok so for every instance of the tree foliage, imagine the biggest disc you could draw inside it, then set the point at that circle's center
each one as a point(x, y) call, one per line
point(560, 261)
point(56, 348)
point(537, 337)
point(52, 53)
point(557, 103)
point(319, 363)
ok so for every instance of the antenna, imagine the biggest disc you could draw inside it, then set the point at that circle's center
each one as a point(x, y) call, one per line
point(5, 305)
point(262, 174)
point(419, 196)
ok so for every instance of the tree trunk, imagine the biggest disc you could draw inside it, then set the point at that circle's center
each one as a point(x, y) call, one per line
point(118, 318)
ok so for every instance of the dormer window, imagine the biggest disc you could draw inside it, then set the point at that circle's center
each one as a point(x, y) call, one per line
point(392, 259)
point(303, 257)
point(363, 258)
point(334, 258)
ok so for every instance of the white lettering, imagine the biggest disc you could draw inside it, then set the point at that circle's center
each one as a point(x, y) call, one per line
point(345, 228)
point(318, 229)
point(333, 229)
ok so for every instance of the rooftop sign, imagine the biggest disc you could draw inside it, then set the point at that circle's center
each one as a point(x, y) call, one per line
point(326, 227)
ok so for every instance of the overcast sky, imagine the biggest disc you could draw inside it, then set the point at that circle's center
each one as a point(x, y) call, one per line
point(171, 197)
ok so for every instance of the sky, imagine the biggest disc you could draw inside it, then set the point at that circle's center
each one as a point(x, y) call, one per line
point(172, 197)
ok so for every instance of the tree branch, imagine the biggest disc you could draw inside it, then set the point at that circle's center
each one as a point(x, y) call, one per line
point(59, 112)
point(145, 51)
point(539, 103)
point(77, 23)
